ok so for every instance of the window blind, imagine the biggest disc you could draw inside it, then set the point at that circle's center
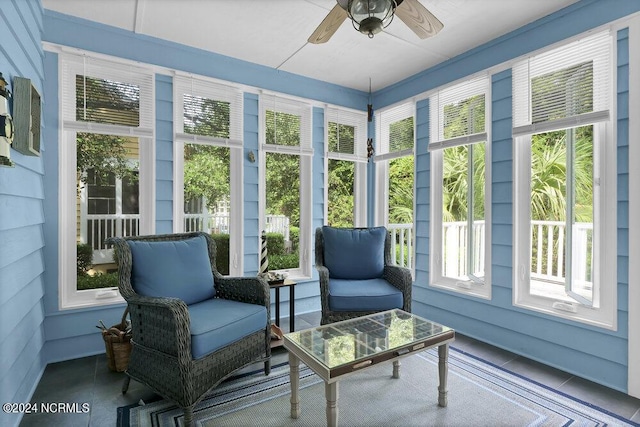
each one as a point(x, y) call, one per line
point(347, 134)
point(566, 87)
point(458, 114)
point(99, 95)
point(395, 131)
point(207, 112)
point(287, 124)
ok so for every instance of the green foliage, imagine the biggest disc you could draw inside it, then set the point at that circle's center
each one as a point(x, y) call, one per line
point(203, 116)
point(294, 235)
point(455, 182)
point(283, 170)
point(340, 192)
point(222, 252)
point(282, 128)
point(283, 186)
point(280, 262)
point(104, 156)
point(206, 173)
point(275, 245)
point(465, 117)
point(401, 173)
point(84, 258)
point(563, 93)
point(401, 134)
point(549, 175)
point(100, 280)
point(341, 138)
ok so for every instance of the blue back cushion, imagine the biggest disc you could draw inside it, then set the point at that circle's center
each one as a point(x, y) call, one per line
point(179, 269)
point(354, 253)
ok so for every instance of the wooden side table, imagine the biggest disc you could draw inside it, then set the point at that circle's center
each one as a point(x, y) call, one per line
point(292, 299)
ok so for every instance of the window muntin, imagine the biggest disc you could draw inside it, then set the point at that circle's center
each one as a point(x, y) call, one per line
point(460, 234)
point(208, 164)
point(565, 220)
point(286, 188)
point(106, 171)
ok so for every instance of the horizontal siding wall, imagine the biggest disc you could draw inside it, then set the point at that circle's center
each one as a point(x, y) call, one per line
point(589, 352)
point(21, 221)
point(164, 154)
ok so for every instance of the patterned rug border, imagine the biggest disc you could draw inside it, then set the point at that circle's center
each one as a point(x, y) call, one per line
point(124, 412)
point(546, 387)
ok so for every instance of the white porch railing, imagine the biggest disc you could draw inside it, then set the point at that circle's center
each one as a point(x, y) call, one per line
point(101, 227)
point(219, 223)
point(547, 257)
point(211, 223)
point(401, 244)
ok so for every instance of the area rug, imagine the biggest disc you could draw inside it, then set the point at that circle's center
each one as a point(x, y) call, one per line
point(480, 394)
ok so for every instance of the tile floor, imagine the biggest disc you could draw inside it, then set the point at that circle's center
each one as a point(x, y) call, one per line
point(88, 380)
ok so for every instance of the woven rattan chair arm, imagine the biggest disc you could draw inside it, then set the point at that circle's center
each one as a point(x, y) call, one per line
point(400, 277)
point(162, 324)
point(323, 275)
point(252, 290)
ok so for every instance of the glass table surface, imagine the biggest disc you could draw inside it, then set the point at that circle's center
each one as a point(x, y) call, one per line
point(347, 342)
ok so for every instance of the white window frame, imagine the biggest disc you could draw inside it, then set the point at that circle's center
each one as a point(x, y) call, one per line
point(384, 118)
point(603, 312)
point(358, 120)
point(71, 65)
point(459, 92)
point(283, 104)
point(206, 88)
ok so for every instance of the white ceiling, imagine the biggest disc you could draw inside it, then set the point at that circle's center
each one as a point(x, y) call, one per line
point(274, 33)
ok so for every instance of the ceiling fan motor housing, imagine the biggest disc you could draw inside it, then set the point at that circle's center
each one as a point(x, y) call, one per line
point(371, 16)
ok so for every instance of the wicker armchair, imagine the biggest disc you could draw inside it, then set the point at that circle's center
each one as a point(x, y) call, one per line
point(167, 355)
point(356, 274)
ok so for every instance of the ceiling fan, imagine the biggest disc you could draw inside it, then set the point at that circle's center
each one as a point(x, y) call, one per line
point(372, 16)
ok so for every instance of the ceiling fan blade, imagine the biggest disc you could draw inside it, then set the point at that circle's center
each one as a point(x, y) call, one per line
point(418, 18)
point(329, 25)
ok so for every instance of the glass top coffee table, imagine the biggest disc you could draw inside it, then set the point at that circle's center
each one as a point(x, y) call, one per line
point(339, 349)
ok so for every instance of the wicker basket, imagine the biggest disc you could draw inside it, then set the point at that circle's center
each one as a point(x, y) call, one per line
point(117, 340)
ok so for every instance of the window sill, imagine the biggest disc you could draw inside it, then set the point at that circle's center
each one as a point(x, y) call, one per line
point(599, 317)
point(463, 287)
point(90, 298)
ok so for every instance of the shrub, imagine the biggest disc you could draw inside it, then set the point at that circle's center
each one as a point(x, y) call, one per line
point(294, 235)
point(280, 262)
point(275, 244)
point(222, 252)
point(100, 280)
point(84, 255)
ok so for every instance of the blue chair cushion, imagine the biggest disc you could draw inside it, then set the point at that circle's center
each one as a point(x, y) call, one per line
point(178, 269)
point(363, 295)
point(216, 323)
point(354, 253)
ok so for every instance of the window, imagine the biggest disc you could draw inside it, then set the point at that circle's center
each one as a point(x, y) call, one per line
point(208, 166)
point(346, 155)
point(395, 179)
point(565, 185)
point(460, 202)
point(106, 172)
point(286, 184)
